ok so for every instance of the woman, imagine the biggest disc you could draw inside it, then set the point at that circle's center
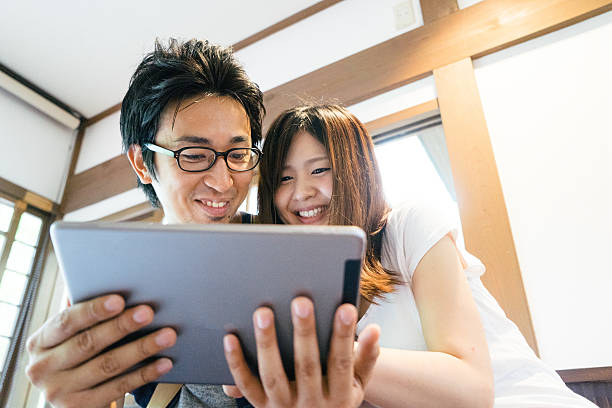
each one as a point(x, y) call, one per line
point(444, 340)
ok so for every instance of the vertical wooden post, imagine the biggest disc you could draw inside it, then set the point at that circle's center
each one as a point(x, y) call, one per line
point(484, 217)
point(435, 9)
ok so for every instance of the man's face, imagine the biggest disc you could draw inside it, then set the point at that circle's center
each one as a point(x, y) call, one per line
point(214, 195)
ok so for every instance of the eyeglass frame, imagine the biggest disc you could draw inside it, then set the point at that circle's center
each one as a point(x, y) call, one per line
point(177, 153)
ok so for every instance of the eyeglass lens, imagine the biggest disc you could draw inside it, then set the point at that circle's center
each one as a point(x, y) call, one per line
point(198, 159)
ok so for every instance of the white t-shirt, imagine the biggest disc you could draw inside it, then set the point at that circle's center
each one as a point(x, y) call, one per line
point(521, 379)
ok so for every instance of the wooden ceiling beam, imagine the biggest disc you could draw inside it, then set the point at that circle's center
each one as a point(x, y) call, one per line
point(473, 32)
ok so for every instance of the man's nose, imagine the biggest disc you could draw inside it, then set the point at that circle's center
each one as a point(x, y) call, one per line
point(218, 177)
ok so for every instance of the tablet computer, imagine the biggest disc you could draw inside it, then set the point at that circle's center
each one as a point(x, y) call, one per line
point(206, 281)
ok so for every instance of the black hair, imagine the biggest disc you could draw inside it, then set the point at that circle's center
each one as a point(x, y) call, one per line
point(173, 73)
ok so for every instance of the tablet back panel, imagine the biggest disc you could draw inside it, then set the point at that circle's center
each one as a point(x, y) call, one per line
point(207, 280)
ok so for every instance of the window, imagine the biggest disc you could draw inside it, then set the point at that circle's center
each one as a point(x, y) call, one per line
point(20, 233)
point(413, 161)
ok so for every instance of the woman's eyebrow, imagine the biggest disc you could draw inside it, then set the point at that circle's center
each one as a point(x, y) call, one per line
point(316, 159)
point(309, 161)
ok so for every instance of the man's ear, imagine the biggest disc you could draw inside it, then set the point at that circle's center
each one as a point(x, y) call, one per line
point(134, 155)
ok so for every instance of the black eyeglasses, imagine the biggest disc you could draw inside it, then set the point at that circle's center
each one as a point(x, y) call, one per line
point(196, 159)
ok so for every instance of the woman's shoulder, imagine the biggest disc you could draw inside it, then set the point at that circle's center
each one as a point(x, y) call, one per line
point(423, 213)
point(413, 227)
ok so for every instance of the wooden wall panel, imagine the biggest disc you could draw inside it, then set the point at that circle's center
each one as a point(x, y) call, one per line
point(105, 180)
point(482, 208)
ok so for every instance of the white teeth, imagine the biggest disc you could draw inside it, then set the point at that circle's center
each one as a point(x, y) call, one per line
point(310, 213)
point(215, 204)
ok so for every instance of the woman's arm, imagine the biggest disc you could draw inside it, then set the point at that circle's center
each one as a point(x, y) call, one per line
point(456, 371)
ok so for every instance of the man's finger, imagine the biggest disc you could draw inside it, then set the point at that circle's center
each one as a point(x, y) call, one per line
point(340, 360)
point(74, 319)
point(117, 361)
point(306, 351)
point(232, 391)
point(90, 342)
point(246, 382)
point(366, 354)
point(112, 390)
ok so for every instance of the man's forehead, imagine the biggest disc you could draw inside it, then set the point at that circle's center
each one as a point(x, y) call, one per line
point(204, 117)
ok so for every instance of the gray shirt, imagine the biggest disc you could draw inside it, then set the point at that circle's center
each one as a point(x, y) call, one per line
point(204, 396)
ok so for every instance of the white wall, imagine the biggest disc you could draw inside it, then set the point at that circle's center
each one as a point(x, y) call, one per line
point(327, 36)
point(101, 142)
point(547, 103)
point(407, 96)
point(35, 150)
point(467, 3)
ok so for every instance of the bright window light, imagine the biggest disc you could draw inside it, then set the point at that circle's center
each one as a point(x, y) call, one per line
point(407, 171)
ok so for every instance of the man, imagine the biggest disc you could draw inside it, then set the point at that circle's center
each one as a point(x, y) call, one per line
point(189, 122)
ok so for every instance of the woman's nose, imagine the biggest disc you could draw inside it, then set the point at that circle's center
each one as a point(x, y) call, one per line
point(303, 190)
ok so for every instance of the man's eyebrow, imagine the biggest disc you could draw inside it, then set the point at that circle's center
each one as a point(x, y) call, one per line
point(206, 141)
point(238, 139)
point(193, 139)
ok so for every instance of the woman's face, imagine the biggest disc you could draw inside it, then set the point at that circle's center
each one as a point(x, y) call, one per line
point(306, 185)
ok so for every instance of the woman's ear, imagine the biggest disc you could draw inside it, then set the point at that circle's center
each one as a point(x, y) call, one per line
point(134, 155)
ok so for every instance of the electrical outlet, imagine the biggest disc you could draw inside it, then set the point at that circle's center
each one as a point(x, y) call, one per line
point(404, 15)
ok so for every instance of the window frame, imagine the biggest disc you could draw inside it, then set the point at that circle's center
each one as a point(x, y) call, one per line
point(19, 331)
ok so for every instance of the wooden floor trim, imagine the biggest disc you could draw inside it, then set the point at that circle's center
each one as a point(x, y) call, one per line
point(593, 374)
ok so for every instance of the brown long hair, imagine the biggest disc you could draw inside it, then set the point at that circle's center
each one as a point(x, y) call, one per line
point(357, 197)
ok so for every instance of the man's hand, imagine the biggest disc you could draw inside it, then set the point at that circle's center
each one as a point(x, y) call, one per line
point(65, 359)
point(347, 371)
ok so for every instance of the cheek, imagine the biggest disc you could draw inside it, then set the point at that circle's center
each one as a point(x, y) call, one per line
point(242, 181)
point(281, 199)
point(327, 187)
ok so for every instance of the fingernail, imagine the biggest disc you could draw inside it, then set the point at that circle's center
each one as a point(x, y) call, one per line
point(163, 339)
point(263, 319)
point(301, 308)
point(347, 316)
point(228, 344)
point(141, 315)
point(113, 303)
point(164, 365)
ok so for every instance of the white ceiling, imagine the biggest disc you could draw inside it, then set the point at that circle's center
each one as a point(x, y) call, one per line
point(84, 52)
